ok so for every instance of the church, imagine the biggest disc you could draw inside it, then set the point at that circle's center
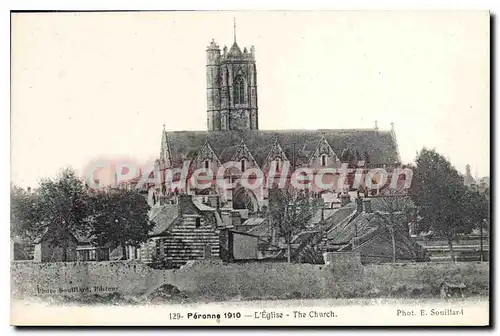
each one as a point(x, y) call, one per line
point(232, 223)
point(233, 135)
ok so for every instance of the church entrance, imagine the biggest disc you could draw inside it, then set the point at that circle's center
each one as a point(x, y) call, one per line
point(245, 199)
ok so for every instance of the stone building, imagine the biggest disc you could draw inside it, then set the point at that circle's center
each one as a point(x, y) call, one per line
point(46, 251)
point(188, 228)
point(231, 88)
point(233, 135)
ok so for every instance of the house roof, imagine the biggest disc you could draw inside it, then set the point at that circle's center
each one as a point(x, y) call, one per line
point(163, 218)
point(304, 236)
point(253, 221)
point(243, 233)
point(339, 217)
point(360, 225)
point(44, 234)
point(201, 206)
point(263, 229)
point(379, 145)
point(373, 240)
point(317, 216)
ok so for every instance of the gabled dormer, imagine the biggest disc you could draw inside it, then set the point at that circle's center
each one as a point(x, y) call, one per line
point(206, 159)
point(323, 155)
point(244, 157)
point(276, 155)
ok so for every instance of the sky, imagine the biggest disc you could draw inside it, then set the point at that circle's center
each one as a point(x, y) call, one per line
point(88, 86)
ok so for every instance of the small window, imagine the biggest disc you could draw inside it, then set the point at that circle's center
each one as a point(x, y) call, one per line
point(198, 222)
point(323, 160)
point(243, 165)
point(277, 165)
point(207, 164)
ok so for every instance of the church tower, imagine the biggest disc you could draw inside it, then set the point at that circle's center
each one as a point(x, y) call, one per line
point(231, 88)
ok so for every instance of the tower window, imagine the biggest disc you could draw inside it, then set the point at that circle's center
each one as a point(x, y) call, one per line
point(243, 165)
point(277, 161)
point(323, 160)
point(239, 90)
point(207, 164)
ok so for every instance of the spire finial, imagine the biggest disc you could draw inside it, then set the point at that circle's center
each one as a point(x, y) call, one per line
point(234, 29)
point(163, 127)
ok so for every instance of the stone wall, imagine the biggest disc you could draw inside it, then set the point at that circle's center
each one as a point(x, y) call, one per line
point(213, 279)
point(344, 262)
point(205, 278)
point(30, 278)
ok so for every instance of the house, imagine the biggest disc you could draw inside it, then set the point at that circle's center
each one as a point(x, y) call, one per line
point(21, 248)
point(46, 251)
point(233, 136)
point(184, 230)
point(365, 230)
point(356, 226)
point(238, 246)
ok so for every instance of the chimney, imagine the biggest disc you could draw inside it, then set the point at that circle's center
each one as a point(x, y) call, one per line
point(345, 199)
point(184, 201)
point(367, 205)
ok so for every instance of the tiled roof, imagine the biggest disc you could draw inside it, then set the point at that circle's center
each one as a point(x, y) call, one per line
point(379, 145)
point(339, 217)
point(262, 230)
point(317, 216)
point(201, 206)
point(163, 217)
point(360, 225)
point(254, 221)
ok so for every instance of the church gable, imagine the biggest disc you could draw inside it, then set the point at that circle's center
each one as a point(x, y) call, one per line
point(323, 155)
point(276, 153)
point(244, 156)
point(206, 158)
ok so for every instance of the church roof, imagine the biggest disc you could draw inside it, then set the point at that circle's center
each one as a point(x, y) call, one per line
point(235, 50)
point(299, 144)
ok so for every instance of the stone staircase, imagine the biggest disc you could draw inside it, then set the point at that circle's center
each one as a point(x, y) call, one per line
point(188, 242)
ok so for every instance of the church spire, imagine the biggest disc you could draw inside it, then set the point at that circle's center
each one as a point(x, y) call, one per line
point(234, 29)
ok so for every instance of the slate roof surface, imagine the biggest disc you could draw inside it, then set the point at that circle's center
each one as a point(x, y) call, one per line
point(163, 217)
point(262, 230)
point(380, 145)
point(254, 221)
point(235, 50)
point(202, 207)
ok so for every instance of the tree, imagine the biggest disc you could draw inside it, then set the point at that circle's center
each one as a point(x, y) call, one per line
point(22, 215)
point(289, 210)
point(443, 200)
point(119, 218)
point(393, 215)
point(58, 206)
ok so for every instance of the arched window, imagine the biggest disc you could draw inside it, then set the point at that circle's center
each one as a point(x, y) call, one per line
point(243, 165)
point(207, 164)
point(239, 90)
point(323, 160)
point(277, 161)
